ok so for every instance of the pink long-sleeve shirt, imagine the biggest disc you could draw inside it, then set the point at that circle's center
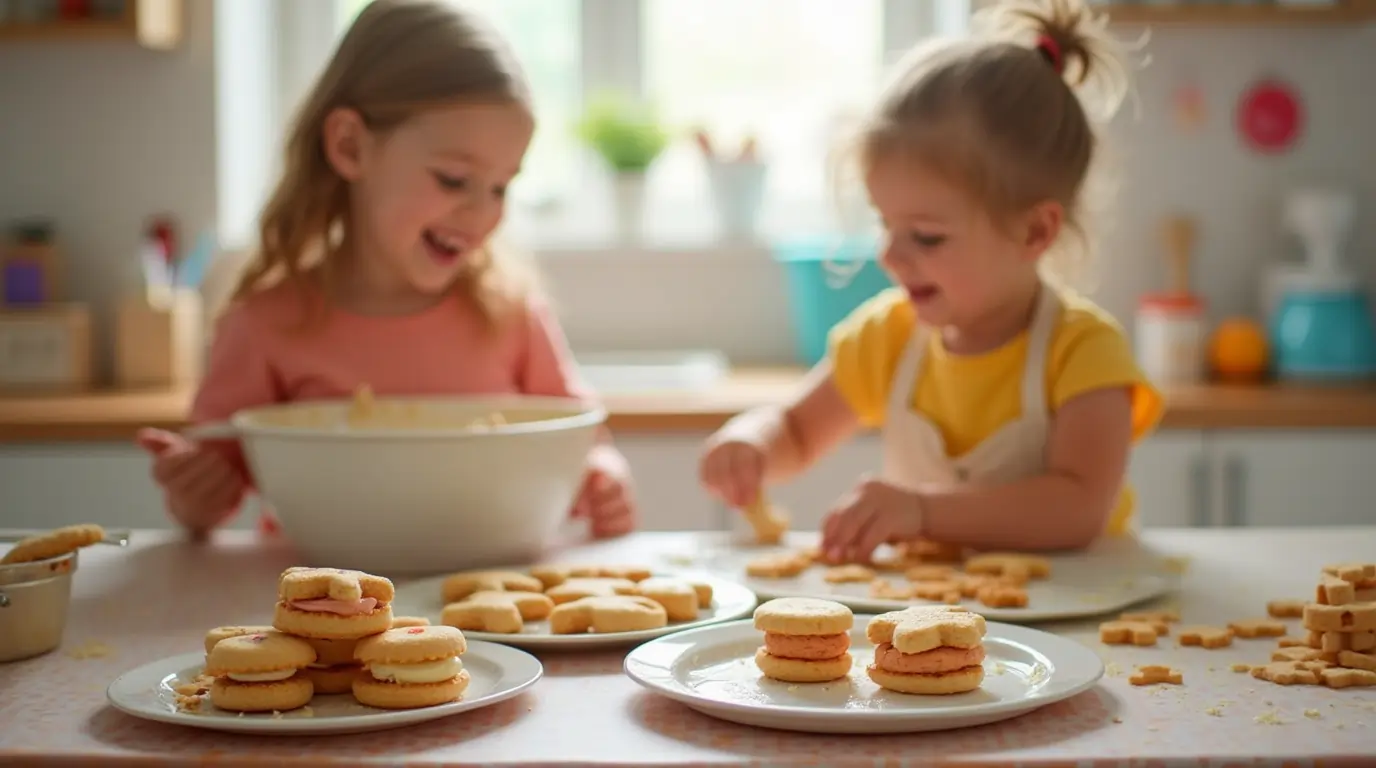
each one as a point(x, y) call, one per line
point(261, 355)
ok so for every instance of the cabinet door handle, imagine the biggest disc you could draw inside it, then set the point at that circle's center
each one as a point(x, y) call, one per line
point(1200, 516)
point(1234, 493)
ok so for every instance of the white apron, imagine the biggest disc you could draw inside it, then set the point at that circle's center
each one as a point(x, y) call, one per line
point(915, 454)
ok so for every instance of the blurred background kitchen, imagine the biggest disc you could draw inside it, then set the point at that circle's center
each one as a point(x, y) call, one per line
point(676, 199)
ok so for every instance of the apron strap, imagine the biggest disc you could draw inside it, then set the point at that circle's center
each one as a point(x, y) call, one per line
point(904, 379)
point(1038, 345)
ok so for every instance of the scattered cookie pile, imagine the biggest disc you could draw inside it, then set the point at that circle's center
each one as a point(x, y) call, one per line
point(933, 572)
point(54, 543)
point(924, 650)
point(574, 599)
point(332, 632)
point(1338, 650)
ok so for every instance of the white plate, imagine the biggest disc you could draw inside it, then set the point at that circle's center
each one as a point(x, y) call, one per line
point(730, 601)
point(497, 673)
point(1112, 575)
point(712, 670)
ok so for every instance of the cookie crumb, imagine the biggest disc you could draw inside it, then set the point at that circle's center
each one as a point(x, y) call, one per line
point(1270, 717)
point(1118, 720)
point(1241, 667)
point(91, 649)
point(1214, 712)
point(1313, 714)
point(1112, 669)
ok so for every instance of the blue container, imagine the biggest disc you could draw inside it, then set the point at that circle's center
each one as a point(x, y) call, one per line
point(827, 280)
point(1324, 335)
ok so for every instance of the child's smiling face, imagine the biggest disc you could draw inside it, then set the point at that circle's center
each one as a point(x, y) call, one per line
point(431, 191)
point(956, 264)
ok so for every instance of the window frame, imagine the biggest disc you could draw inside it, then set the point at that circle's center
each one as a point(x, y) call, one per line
point(304, 33)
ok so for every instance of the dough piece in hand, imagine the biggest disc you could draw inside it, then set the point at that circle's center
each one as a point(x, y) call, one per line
point(607, 614)
point(851, 573)
point(54, 543)
point(1156, 674)
point(411, 667)
point(769, 522)
point(806, 639)
point(460, 585)
point(1127, 633)
point(1206, 637)
point(680, 598)
point(332, 603)
point(784, 566)
point(579, 588)
point(498, 612)
point(1252, 628)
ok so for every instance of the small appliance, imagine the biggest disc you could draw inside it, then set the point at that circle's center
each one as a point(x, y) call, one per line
point(1322, 328)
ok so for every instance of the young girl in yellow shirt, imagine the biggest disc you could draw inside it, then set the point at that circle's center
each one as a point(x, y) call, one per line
point(1007, 407)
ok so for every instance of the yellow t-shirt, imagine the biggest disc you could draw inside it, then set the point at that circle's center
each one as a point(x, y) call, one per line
point(969, 397)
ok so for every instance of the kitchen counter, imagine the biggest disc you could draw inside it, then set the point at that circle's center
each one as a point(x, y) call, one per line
point(118, 415)
point(157, 598)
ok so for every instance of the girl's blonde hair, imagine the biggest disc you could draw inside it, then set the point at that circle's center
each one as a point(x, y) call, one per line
point(398, 58)
point(1004, 115)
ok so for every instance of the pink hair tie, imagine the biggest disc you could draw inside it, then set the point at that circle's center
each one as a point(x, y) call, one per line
point(1051, 51)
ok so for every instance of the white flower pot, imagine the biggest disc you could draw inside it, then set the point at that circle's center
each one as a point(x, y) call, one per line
point(628, 198)
point(737, 191)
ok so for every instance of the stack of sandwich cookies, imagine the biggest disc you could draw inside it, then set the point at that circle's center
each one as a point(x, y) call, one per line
point(411, 667)
point(927, 650)
point(806, 640)
point(260, 672)
point(332, 609)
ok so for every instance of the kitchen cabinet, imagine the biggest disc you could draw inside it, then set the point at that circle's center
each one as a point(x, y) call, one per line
point(1168, 473)
point(1295, 478)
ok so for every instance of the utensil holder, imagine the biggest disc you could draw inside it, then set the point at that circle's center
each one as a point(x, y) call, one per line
point(159, 341)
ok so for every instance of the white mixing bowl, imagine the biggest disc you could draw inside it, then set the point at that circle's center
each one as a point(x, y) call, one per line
point(416, 487)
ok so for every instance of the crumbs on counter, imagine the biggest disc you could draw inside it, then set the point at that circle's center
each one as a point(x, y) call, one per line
point(91, 649)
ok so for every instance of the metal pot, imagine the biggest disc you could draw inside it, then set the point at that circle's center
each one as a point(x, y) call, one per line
point(33, 606)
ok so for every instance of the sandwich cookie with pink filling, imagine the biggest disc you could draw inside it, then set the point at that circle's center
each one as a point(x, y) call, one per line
point(411, 667)
point(806, 639)
point(331, 609)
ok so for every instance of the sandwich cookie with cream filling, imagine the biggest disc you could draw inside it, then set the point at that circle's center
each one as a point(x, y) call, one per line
point(806, 639)
point(260, 672)
point(929, 650)
point(411, 667)
point(332, 604)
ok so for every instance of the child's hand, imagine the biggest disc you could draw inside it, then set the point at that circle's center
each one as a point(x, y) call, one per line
point(874, 513)
point(606, 498)
point(201, 486)
point(732, 469)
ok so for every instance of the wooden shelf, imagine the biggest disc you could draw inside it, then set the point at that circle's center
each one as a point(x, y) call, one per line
point(155, 24)
point(1351, 12)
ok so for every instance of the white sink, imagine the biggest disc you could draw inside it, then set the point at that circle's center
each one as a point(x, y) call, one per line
point(629, 373)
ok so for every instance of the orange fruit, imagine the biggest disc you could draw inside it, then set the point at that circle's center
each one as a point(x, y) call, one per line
point(1238, 350)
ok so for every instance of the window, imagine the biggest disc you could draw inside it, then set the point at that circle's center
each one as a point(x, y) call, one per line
point(781, 71)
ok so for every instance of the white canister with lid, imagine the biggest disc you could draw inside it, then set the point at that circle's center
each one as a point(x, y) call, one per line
point(1170, 334)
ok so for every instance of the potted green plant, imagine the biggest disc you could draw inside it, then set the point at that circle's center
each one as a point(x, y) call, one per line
point(629, 137)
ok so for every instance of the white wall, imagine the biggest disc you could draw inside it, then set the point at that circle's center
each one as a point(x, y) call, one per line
point(99, 135)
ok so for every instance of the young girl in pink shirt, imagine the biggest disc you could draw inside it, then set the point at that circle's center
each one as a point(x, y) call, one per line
point(375, 266)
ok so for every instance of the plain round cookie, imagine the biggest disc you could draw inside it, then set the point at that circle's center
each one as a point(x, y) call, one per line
point(258, 652)
point(332, 680)
point(960, 681)
point(376, 693)
point(411, 645)
point(280, 696)
point(58, 541)
point(331, 626)
point(802, 670)
point(804, 616)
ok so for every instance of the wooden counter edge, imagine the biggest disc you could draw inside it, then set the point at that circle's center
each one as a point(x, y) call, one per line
point(117, 416)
